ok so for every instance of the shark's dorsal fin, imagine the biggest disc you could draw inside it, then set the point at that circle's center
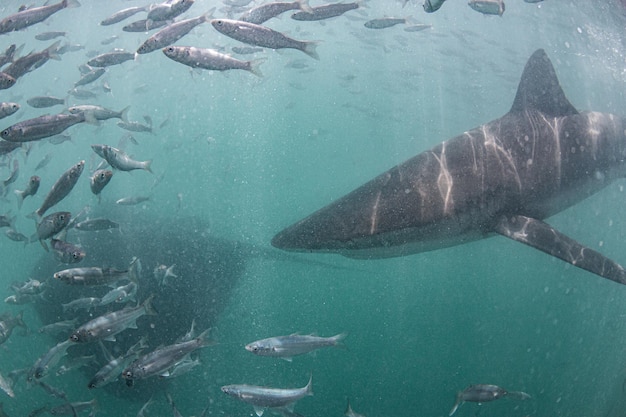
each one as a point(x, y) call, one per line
point(539, 89)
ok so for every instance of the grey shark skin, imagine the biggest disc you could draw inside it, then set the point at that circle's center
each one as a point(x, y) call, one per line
point(503, 177)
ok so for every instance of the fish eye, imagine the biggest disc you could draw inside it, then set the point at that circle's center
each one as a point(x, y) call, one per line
point(219, 22)
point(170, 49)
point(5, 132)
point(62, 217)
point(76, 255)
point(74, 338)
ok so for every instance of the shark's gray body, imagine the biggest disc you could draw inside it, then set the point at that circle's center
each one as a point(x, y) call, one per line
point(504, 177)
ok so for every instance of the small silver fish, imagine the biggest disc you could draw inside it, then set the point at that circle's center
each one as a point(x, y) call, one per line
point(51, 225)
point(8, 108)
point(481, 393)
point(431, 6)
point(94, 225)
point(260, 14)
point(54, 329)
point(326, 11)
point(66, 252)
point(61, 187)
point(384, 22)
point(162, 359)
point(115, 57)
point(210, 59)
point(86, 303)
point(72, 409)
point(108, 325)
point(493, 7)
point(90, 76)
point(16, 236)
point(47, 36)
point(262, 398)
point(286, 347)
point(120, 294)
point(168, 10)
point(144, 25)
point(91, 275)
point(132, 201)
point(43, 365)
point(8, 323)
point(99, 180)
point(122, 15)
point(171, 33)
point(29, 17)
point(41, 102)
point(40, 127)
point(262, 36)
point(98, 112)
point(119, 160)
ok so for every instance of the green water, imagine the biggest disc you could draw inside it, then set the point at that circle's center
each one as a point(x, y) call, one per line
point(248, 156)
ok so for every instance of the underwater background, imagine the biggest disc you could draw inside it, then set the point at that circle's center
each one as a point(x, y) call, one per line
point(236, 158)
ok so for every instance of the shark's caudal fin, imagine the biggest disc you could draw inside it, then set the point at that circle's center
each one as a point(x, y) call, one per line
point(539, 89)
point(547, 239)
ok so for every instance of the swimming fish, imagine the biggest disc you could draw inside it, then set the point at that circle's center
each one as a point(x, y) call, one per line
point(286, 347)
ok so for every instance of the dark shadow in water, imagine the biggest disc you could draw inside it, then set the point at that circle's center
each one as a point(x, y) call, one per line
point(207, 270)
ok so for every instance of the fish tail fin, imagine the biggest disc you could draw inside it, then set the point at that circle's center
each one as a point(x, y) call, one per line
point(147, 165)
point(310, 49)
point(19, 319)
point(71, 3)
point(308, 390)
point(134, 270)
point(124, 113)
point(337, 340)
point(519, 395)
point(208, 15)
point(349, 411)
point(204, 338)
point(20, 198)
point(457, 404)
point(254, 67)
point(148, 306)
point(304, 6)
point(52, 51)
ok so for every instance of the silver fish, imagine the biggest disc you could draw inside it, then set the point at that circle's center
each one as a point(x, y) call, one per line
point(86, 303)
point(265, 12)
point(47, 36)
point(7, 109)
point(169, 10)
point(115, 57)
point(98, 112)
point(32, 286)
point(27, 63)
point(159, 361)
point(482, 393)
point(51, 225)
point(131, 201)
point(93, 225)
point(326, 11)
point(8, 323)
point(34, 15)
point(384, 22)
point(122, 15)
point(171, 33)
point(43, 365)
point(16, 236)
point(72, 409)
point(262, 36)
point(6, 81)
point(431, 6)
point(91, 275)
point(417, 27)
point(209, 59)
point(7, 386)
point(99, 180)
point(144, 25)
point(495, 7)
point(66, 252)
point(107, 326)
point(261, 397)
point(286, 347)
point(120, 294)
point(134, 126)
point(90, 76)
point(20, 299)
point(40, 127)
point(61, 187)
point(59, 327)
point(41, 102)
point(113, 369)
point(119, 160)
point(44, 161)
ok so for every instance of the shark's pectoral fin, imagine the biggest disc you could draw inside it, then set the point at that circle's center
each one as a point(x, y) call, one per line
point(544, 237)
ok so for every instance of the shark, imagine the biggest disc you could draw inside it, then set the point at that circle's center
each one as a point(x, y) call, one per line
point(504, 178)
